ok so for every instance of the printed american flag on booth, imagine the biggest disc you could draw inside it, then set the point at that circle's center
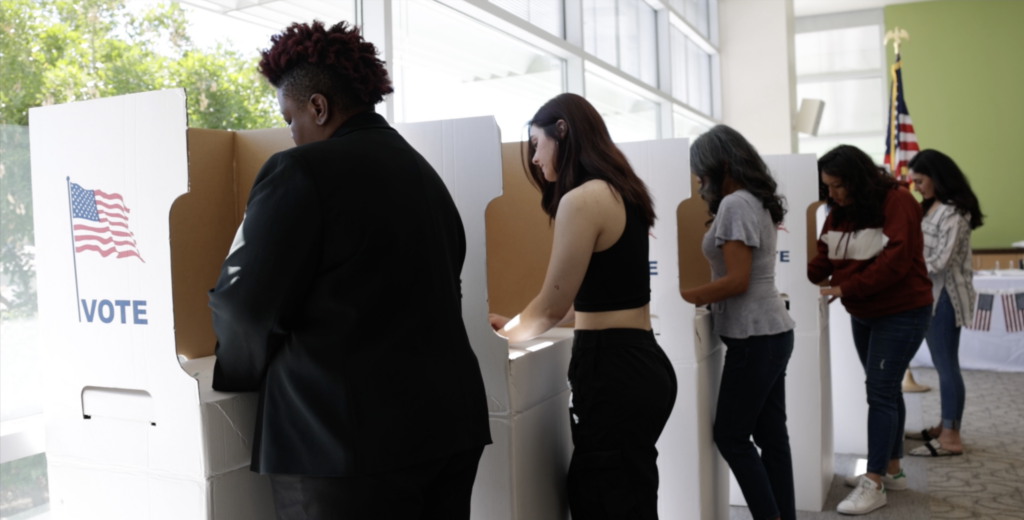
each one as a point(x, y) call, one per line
point(99, 221)
point(1013, 312)
point(983, 312)
point(900, 140)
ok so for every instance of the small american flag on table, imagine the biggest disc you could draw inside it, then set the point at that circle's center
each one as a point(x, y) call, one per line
point(100, 223)
point(1013, 312)
point(983, 312)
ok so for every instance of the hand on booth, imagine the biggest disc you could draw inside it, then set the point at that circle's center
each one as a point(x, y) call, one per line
point(497, 321)
point(834, 292)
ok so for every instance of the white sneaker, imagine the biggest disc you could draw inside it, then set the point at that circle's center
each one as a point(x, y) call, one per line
point(897, 482)
point(865, 498)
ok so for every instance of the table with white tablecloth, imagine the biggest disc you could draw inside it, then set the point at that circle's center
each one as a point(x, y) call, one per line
point(1001, 347)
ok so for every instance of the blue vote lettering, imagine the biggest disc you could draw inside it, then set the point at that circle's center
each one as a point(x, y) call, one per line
point(104, 310)
point(784, 256)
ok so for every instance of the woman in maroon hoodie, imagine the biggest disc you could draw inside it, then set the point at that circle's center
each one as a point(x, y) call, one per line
point(873, 248)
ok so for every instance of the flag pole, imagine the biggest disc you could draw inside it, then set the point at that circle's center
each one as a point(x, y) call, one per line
point(74, 256)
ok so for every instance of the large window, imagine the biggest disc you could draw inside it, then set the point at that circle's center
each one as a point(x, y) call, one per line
point(623, 33)
point(448, 65)
point(629, 117)
point(840, 59)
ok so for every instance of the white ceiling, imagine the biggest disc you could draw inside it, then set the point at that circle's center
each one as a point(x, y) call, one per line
point(813, 7)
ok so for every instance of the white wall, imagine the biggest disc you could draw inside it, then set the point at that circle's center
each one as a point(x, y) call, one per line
point(758, 72)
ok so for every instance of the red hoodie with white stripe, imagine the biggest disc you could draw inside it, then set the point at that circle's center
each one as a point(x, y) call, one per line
point(880, 270)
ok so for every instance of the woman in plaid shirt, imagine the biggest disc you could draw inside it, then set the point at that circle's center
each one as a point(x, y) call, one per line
point(951, 213)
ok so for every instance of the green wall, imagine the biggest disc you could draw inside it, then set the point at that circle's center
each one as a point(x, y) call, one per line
point(963, 78)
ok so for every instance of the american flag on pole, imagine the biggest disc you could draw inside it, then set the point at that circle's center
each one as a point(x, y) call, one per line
point(900, 141)
point(1013, 312)
point(99, 221)
point(983, 312)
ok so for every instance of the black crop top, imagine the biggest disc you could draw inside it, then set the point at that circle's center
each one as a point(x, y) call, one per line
point(619, 277)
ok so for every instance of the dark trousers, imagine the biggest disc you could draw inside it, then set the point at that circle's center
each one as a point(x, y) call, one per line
point(438, 489)
point(752, 402)
point(886, 345)
point(623, 389)
point(944, 344)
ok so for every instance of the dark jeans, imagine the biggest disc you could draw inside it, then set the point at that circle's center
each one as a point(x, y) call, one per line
point(752, 402)
point(438, 489)
point(623, 390)
point(886, 345)
point(944, 344)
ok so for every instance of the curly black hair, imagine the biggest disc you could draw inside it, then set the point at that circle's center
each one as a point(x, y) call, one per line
point(951, 185)
point(723, 151)
point(307, 59)
point(866, 186)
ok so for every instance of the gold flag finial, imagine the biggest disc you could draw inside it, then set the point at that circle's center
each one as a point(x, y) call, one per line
point(896, 35)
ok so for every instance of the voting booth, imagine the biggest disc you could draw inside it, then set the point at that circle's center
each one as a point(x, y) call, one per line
point(808, 376)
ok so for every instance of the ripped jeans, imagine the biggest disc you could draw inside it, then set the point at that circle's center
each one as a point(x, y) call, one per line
point(886, 345)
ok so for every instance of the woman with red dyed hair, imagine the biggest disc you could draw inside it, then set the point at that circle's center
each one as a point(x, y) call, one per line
point(358, 417)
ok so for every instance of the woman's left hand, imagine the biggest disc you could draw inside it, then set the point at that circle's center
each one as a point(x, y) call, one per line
point(497, 321)
point(834, 292)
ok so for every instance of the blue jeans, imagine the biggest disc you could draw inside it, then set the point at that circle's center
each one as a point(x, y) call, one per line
point(944, 345)
point(752, 402)
point(886, 345)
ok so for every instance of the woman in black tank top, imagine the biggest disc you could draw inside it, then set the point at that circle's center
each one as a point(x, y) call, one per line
point(623, 385)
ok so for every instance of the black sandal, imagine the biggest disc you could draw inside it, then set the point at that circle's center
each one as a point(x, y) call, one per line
point(922, 436)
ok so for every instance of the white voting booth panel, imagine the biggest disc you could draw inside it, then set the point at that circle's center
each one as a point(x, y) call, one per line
point(693, 482)
point(129, 433)
point(808, 376)
point(522, 474)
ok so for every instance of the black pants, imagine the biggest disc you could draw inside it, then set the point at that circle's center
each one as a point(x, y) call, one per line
point(623, 389)
point(438, 489)
point(752, 402)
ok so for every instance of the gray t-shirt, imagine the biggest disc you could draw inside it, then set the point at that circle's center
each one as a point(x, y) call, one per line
point(760, 311)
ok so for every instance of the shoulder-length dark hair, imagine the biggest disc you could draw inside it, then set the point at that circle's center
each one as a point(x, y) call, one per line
point(866, 186)
point(722, 152)
point(951, 186)
point(585, 153)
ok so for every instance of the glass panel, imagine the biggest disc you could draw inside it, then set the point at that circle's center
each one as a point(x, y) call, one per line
point(648, 19)
point(24, 488)
point(624, 34)
point(695, 12)
point(449, 66)
point(599, 31)
point(683, 126)
point(856, 48)
point(698, 76)
point(20, 388)
point(851, 106)
point(677, 42)
point(546, 14)
point(629, 37)
point(629, 117)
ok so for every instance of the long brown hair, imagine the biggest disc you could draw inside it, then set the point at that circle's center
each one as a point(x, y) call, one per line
point(585, 153)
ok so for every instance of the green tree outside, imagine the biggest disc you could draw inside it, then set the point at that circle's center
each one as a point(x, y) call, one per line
point(59, 51)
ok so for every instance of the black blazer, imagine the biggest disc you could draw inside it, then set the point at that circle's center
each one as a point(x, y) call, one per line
point(340, 302)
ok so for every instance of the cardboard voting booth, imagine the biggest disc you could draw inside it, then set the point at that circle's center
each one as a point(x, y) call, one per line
point(124, 262)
